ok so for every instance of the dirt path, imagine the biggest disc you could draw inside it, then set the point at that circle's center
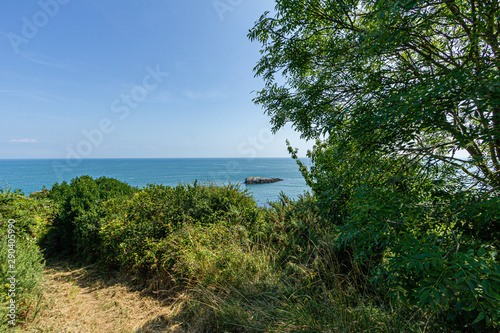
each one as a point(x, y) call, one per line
point(80, 300)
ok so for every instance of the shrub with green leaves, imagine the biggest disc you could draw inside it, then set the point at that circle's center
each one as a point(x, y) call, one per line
point(132, 228)
point(76, 227)
point(26, 287)
point(416, 228)
point(32, 215)
point(232, 280)
point(19, 252)
point(289, 276)
point(218, 255)
point(463, 286)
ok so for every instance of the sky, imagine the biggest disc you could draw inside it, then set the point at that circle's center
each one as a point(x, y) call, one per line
point(133, 79)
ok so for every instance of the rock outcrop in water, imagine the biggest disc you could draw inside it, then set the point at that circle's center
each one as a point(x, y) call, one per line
point(261, 180)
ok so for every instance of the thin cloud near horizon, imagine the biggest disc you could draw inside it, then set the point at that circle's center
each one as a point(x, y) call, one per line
point(25, 140)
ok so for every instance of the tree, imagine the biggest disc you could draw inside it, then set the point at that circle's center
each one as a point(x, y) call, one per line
point(406, 78)
point(397, 93)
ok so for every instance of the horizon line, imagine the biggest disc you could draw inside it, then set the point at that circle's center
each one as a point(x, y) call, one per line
point(141, 158)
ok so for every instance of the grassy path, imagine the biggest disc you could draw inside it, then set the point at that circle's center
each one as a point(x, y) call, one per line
point(85, 299)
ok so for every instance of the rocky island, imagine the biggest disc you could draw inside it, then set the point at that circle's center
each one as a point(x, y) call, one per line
point(261, 180)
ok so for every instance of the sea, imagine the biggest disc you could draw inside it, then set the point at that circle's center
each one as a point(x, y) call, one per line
point(30, 175)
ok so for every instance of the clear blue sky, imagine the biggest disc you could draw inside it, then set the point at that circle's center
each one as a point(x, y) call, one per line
point(137, 78)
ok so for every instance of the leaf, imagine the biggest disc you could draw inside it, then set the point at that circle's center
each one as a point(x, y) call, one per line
point(443, 289)
point(437, 296)
point(486, 286)
point(479, 318)
point(471, 286)
point(425, 295)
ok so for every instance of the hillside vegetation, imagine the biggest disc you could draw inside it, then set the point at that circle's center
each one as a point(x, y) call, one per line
point(281, 268)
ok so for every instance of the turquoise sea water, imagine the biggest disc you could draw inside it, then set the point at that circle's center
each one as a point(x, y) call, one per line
point(32, 175)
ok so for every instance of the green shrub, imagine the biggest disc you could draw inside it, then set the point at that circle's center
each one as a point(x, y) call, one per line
point(132, 229)
point(217, 255)
point(417, 231)
point(291, 225)
point(23, 220)
point(76, 227)
point(291, 277)
point(233, 281)
point(462, 287)
point(26, 289)
point(33, 216)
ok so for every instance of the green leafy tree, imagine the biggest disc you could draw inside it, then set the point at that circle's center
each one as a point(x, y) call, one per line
point(415, 78)
point(404, 100)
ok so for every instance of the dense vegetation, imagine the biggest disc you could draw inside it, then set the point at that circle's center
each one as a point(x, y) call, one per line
point(289, 266)
point(403, 98)
point(401, 231)
point(30, 219)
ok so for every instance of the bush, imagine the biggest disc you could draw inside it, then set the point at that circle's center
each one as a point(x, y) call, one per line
point(290, 276)
point(77, 224)
point(232, 280)
point(33, 216)
point(19, 252)
point(26, 290)
point(217, 255)
point(461, 287)
point(418, 231)
point(133, 229)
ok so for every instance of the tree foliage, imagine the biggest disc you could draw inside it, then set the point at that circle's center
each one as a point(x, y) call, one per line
point(404, 100)
point(415, 78)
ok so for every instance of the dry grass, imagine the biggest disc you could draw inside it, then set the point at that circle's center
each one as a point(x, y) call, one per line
point(80, 300)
